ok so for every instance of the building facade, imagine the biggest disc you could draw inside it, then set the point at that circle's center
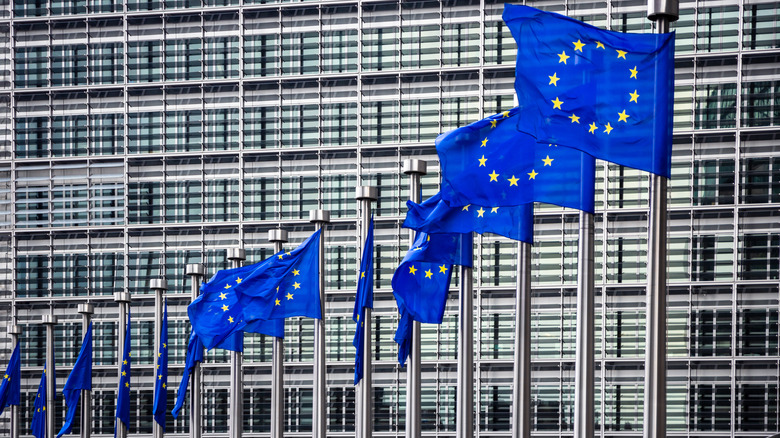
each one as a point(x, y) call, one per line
point(138, 136)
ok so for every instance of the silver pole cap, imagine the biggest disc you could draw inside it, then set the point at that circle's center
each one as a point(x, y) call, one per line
point(86, 309)
point(366, 192)
point(48, 319)
point(236, 254)
point(195, 269)
point(15, 330)
point(277, 235)
point(158, 284)
point(669, 9)
point(413, 165)
point(122, 297)
point(319, 216)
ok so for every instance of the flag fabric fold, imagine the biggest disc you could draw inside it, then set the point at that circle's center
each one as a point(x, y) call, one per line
point(80, 378)
point(123, 395)
point(10, 388)
point(38, 424)
point(194, 355)
point(364, 298)
point(282, 286)
point(161, 374)
point(606, 93)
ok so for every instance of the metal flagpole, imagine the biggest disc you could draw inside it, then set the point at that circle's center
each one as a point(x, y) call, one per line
point(277, 236)
point(319, 427)
point(197, 272)
point(50, 321)
point(465, 399)
point(236, 395)
point(584, 380)
point(123, 298)
point(415, 169)
point(86, 310)
point(15, 331)
point(159, 287)
point(521, 391)
point(663, 12)
point(365, 390)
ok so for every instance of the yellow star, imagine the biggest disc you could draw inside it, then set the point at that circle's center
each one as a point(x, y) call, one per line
point(281, 256)
point(278, 303)
point(482, 161)
point(296, 272)
point(296, 285)
point(623, 116)
point(412, 270)
point(466, 207)
point(44, 408)
point(533, 174)
point(505, 114)
point(621, 54)
point(481, 212)
point(289, 296)
point(493, 176)
point(127, 385)
point(158, 367)
point(222, 295)
point(484, 142)
point(443, 269)
point(159, 377)
point(227, 286)
point(592, 128)
point(288, 253)
point(165, 345)
point(124, 373)
point(562, 57)
point(633, 71)
point(164, 386)
point(5, 376)
point(230, 319)
point(428, 273)
point(362, 275)
point(634, 97)
point(556, 103)
point(238, 280)
point(513, 181)
point(554, 79)
point(608, 128)
point(493, 123)
point(129, 354)
point(494, 210)
point(548, 161)
point(224, 308)
point(124, 362)
point(599, 45)
point(574, 118)
point(578, 45)
point(159, 354)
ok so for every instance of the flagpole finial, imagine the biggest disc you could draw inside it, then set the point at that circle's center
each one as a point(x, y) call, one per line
point(195, 269)
point(236, 254)
point(158, 283)
point(277, 235)
point(415, 166)
point(322, 216)
point(49, 319)
point(368, 193)
point(15, 330)
point(122, 297)
point(86, 309)
point(668, 9)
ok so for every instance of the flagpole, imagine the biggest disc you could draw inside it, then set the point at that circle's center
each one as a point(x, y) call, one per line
point(236, 395)
point(15, 331)
point(415, 169)
point(159, 287)
point(320, 391)
point(197, 272)
point(465, 398)
point(50, 321)
point(123, 298)
point(277, 236)
point(521, 391)
point(365, 195)
point(86, 310)
point(584, 380)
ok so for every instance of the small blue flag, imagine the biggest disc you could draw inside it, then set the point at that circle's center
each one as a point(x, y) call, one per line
point(285, 285)
point(364, 298)
point(38, 425)
point(490, 164)
point(605, 93)
point(80, 378)
point(435, 216)
point(161, 381)
point(123, 395)
point(11, 388)
point(194, 355)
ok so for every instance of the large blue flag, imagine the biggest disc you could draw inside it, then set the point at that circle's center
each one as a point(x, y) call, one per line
point(194, 355)
point(80, 378)
point(435, 216)
point(284, 285)
point(10, 388)
point(38, 424)
point(364, 299)
point(123, 395)
point(489, 163)
point(161, 381)
point(606, 93)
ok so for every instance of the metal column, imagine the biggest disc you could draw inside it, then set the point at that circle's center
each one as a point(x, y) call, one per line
point(521, 391)
point(415, 169)
point(123, 298)
point(86, 310)
point(236, 394)
point(159, 286)
point(278, 237)
point(364, 413)
point(584, 380)
point(15, 331)
point(320, 403)
point(196, 271)
point(49, 321)
point(465, 399)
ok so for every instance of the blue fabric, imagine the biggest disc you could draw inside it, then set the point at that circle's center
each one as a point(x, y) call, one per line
point(364, 298)
point(123, 395)
point(285, 285)
point(573, 80)
point(489, 163)
point(161, 381)
point(403, 336)
point(80, 378)
point(194, 355)
point(38, 425)
point(10, 388)
point(435, 216)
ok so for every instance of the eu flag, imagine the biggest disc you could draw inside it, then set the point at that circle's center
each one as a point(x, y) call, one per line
point(38, 425)
point(489, 163)
point(606, 93)
point(285, 285)
point(123, 395)
point(435, 216)
point(194, 355)
point(10, 388)
point(80, 378)
point(364, 299)
point(161, 380)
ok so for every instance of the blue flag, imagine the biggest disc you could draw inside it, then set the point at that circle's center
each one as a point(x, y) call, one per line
point(79, 378)
point(435, 216)
point(490, 164)
point(606, 93)
point(123, 395)
point(11, 388)
point(364, 299)
point(38, 425)
point(194, 355)
point(161, 380)
point(421, 282)
point(285, 285)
